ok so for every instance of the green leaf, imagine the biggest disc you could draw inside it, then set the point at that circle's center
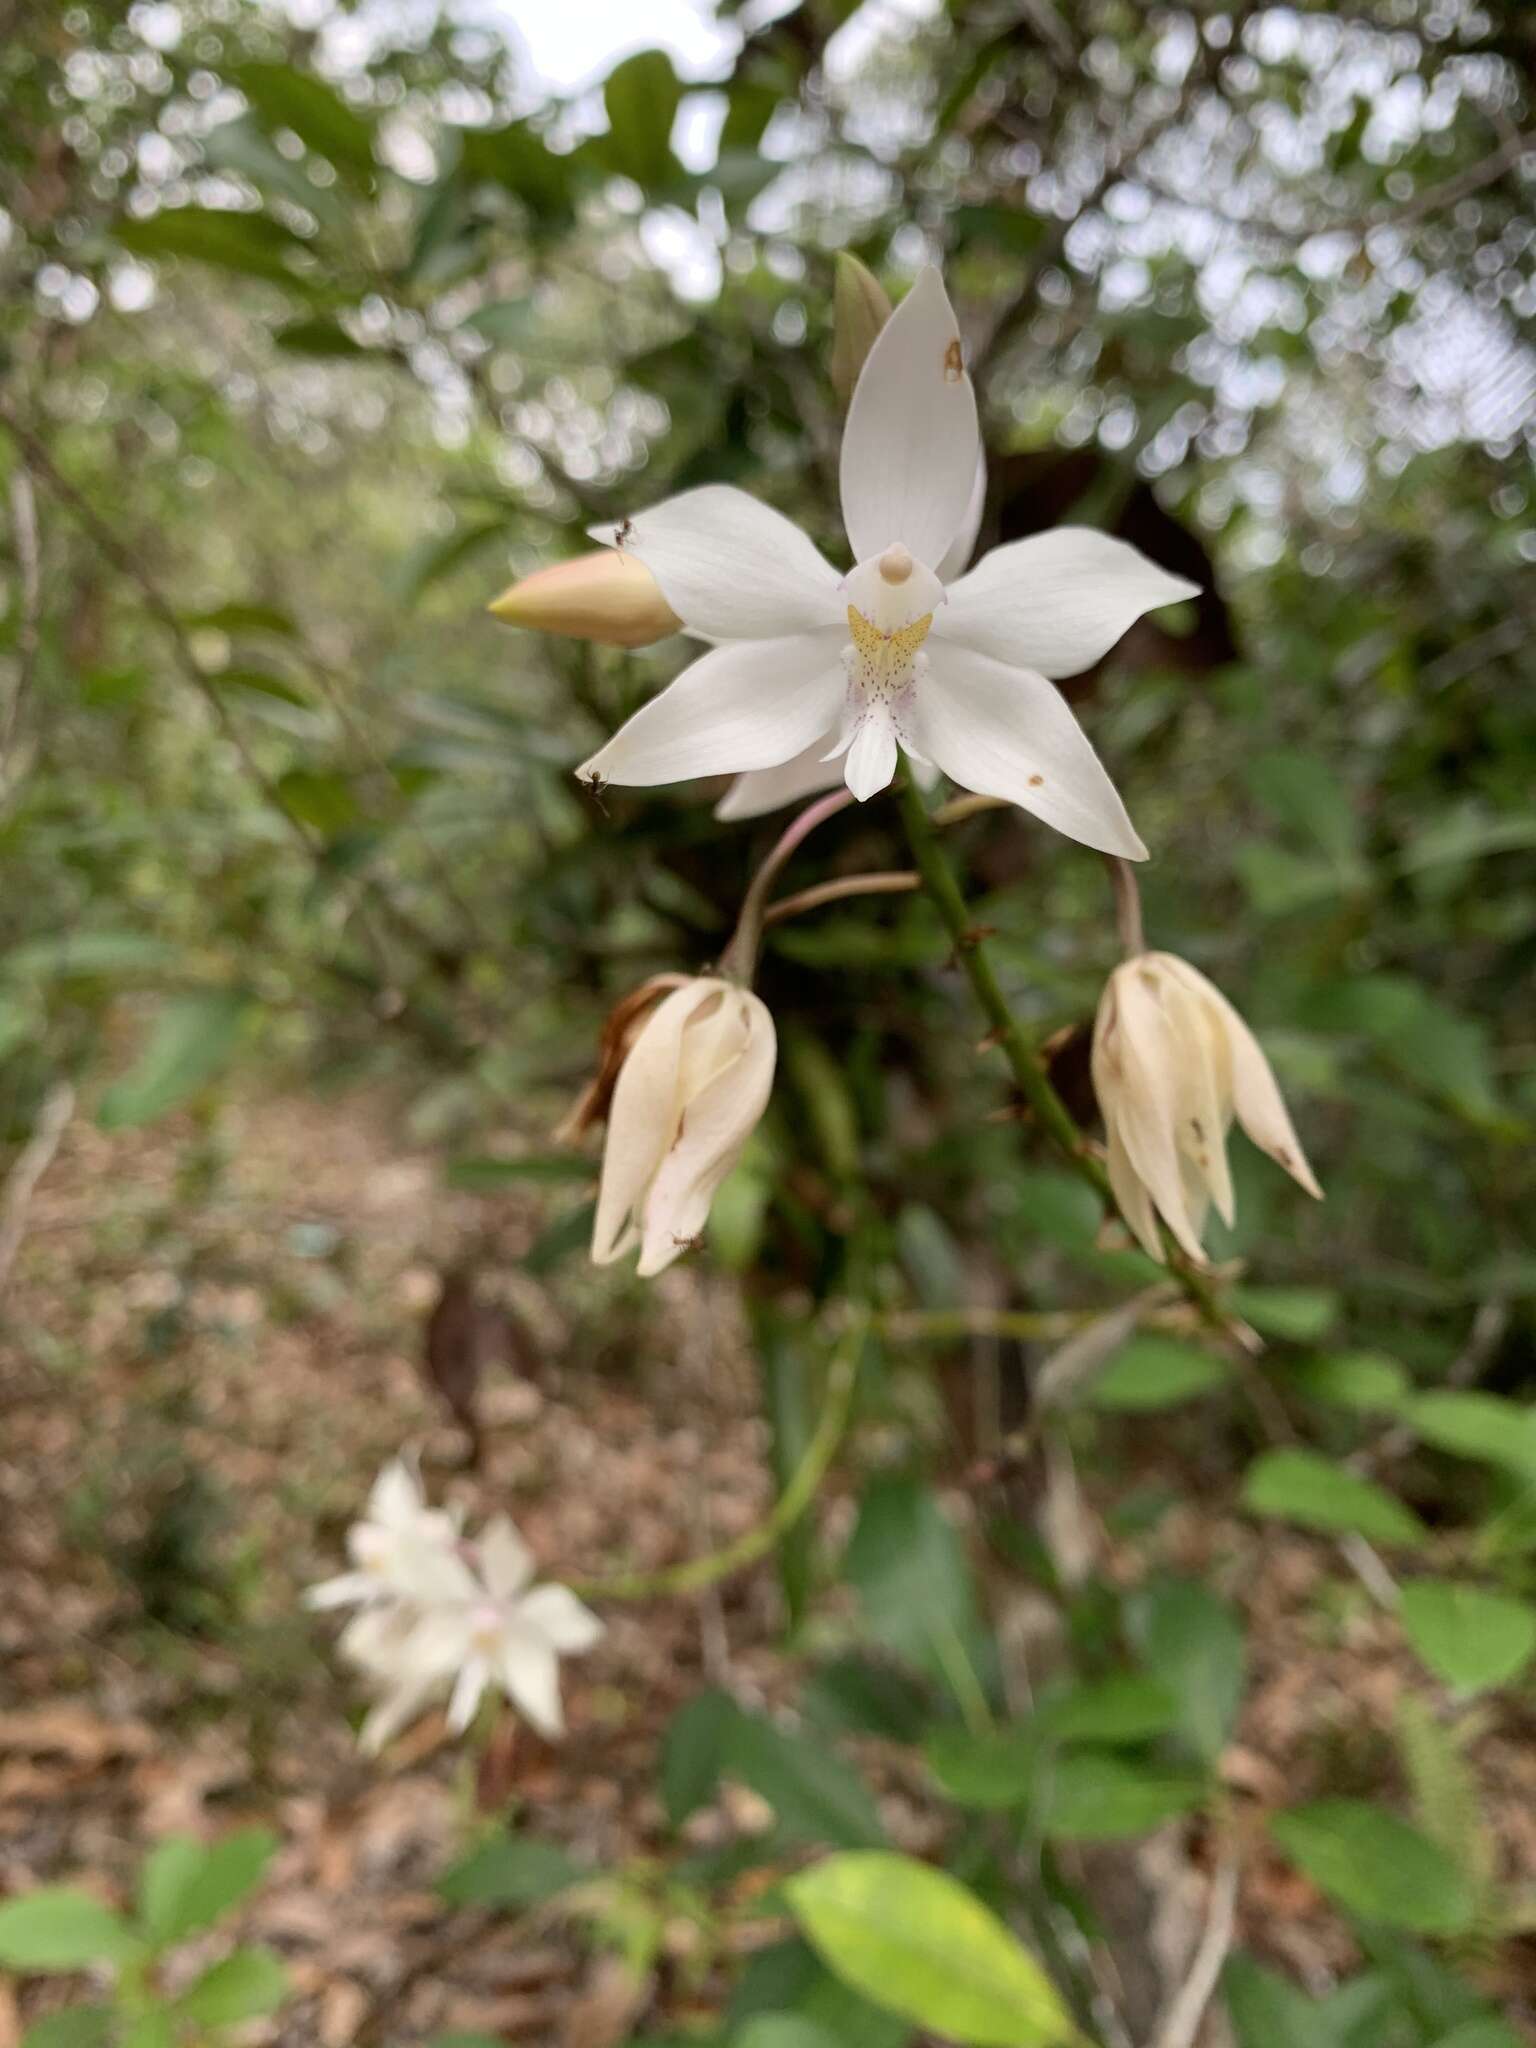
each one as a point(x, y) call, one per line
point(153, 2029)
point(1375, 1865)
point(784, 2030)
point(915, 1940)
point(642, 96)
point(1302, 1486)
point(186, 1886)
point(910, 1570)
point(517, 159)
point(248, 243)
point(319, 116)
point(244, 1986)
point(1125, 1708)
point(1291, 1315)
point(1302, 792)
point(1481, 1426)
point(790, 1977)
point(1470, 1638)
point(513, 1871)
point(1194, 1647)
point(82, 2026)
point(318, 336)
point(1155, 1372)
point(1278, 882)
point(1365, 1381)
point(1098, 1796)
point(694, 1752)
point(1267, 2012)
point(1490, 2032)
point(998, 1769)
point(814, 1793)
point(193, 1040)
point(59, 1928)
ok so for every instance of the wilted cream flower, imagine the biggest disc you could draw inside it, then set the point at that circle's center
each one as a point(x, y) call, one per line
point(1172, 1064)
point(606, 596)
point(693, 1085)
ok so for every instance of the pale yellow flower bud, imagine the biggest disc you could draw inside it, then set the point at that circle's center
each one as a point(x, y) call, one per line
point(1173, 1063)
point(606, 596)
point(860, 309)
point(693, 1086)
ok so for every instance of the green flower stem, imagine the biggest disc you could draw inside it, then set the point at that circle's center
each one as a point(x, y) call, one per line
point(1028, 1071)
point(695, 1573)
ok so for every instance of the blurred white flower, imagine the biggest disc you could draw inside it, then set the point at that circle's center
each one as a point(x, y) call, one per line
point(810, 667)
point(457, 1618)
point(693, 1086)
point(398, 1548)
point(1173, 1063)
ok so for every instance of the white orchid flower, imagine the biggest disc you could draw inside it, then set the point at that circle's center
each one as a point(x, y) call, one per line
point(810, 666)
point(1173, 1063)
point(690, 1093)
point(400, 1549)
point(504, 1632)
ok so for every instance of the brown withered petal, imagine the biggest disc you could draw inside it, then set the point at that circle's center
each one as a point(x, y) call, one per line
point(620, 1029)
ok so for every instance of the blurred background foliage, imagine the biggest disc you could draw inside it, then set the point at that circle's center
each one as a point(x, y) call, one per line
point(320, 322)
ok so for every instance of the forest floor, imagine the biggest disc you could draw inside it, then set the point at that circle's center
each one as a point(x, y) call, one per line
point(213, 1339)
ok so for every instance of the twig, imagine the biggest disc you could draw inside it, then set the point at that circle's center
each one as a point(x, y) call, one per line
point(32, 1162)
point(1181, 2023)
point(894, 884)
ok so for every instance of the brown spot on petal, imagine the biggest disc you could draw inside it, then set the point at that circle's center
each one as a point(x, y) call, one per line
point(1035, 781)
point(954, 362)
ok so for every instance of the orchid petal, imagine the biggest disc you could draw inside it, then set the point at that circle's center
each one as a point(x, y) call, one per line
point(506, 1562)
point(1134, 1202)
point(769, 789)
point(468, 1690)
point(642, 1119)
point(1006, 732)
point(1056, 602)
point(566, 1622)
point(753, 704)
point(870, 762)
point(958, 554)
point(909, 449)
point(1256, 1094)
point(530, 1672)
point(730, 567)
point(1136, 1077)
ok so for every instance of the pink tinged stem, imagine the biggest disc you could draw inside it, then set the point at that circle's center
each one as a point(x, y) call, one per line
point(1122, 876)
point(739, 960)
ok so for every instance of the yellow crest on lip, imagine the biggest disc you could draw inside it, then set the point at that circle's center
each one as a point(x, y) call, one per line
point(891, 650)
